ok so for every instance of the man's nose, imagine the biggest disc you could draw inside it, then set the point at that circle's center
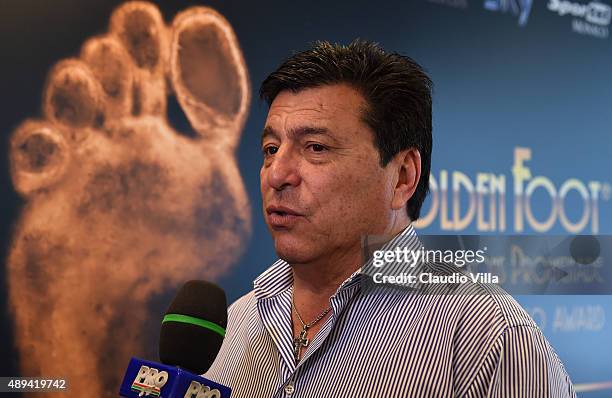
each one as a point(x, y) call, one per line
point(283, 172)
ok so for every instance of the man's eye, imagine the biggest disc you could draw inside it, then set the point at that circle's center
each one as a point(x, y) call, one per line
point(317, 147)
point(270, 150)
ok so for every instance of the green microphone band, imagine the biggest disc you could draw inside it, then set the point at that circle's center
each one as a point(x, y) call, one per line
point(194, 321)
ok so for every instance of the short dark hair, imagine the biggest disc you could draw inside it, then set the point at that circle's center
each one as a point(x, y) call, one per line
point(396, 89)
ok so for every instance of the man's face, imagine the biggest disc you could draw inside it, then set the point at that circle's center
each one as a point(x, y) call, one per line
point(321, 182)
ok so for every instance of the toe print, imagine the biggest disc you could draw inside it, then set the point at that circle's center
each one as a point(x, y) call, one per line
point(73, 96)
point(208, 74)
point(119, 206)
point(140, 29)
point(110, 64)
point(39, 157)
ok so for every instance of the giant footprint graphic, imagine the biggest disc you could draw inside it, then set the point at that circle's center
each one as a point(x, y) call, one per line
point(119, 206)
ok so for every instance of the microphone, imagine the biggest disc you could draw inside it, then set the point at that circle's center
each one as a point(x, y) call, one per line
point(193, 327)
point(191, 336)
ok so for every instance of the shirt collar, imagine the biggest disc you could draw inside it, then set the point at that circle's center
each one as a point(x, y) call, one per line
point(279, 276)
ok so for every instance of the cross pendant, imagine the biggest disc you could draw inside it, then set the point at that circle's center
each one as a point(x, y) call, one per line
point(299, 342)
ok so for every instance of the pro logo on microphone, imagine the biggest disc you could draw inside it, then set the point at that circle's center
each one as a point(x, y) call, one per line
point(198, 390)
point(149, 381)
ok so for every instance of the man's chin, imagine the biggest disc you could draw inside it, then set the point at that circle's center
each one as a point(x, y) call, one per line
point(293, 250)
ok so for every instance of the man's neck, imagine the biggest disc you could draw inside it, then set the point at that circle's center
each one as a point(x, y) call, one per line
point(314, 283)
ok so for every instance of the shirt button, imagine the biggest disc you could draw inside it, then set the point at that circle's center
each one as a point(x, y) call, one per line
point(289, 389)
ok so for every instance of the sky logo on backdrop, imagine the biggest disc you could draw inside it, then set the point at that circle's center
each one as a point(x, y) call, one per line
point(519, 8)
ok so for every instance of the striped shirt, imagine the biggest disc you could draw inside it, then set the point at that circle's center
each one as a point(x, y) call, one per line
point(388, 342)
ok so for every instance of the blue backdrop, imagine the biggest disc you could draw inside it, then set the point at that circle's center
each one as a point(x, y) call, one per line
point(507, 74)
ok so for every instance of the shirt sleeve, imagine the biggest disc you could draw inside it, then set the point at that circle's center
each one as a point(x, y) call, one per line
point(525, 365)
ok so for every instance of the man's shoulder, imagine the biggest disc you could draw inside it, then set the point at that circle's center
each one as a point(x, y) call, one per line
point(242, 304)
point(484, 302)
point(242, 313)
point(493, 330)
point(239, 315)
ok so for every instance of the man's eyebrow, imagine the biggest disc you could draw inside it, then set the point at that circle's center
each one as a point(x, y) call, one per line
point(299, 132)
point(268, 132)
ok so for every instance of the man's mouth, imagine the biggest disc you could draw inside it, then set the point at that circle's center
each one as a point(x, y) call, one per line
point(282, 217)
point(282, 210)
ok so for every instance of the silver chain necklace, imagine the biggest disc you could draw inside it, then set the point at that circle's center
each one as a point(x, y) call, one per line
point(302, 340)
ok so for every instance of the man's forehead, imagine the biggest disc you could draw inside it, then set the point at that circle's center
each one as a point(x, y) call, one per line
point(281, 114)
point(324, 108)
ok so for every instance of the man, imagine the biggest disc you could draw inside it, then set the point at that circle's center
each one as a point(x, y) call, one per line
point(347, 148)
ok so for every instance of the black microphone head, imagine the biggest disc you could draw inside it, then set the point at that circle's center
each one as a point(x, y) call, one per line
point(191, 332)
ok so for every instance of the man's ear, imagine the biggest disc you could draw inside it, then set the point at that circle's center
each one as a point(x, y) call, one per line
point(408, 166)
